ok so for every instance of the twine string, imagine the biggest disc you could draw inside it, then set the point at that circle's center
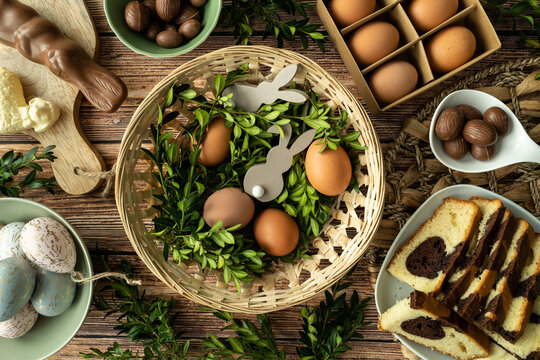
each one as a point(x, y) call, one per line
point(108, 176)
point(78, 277)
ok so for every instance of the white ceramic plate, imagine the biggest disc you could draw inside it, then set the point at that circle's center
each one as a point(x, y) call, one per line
point(389, 290)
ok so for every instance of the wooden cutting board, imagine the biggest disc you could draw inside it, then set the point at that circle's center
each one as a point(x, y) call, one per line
point(72, 147)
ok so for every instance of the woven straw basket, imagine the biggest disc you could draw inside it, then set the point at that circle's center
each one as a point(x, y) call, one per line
point(344, 238)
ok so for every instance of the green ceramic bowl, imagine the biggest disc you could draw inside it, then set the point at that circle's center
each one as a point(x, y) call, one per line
point(114, 9)
point(50, 334)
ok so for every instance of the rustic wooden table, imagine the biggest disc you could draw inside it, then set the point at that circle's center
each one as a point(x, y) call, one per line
point(98, 222)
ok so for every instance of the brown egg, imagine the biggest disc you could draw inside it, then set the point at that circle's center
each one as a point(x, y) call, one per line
point(428, 14)
point(276, 232)
point(330, 171)
point(450, 48)
point(373, 41)
point(392, 81)
point(215, 145)
point(346, 12)
point(230, 205)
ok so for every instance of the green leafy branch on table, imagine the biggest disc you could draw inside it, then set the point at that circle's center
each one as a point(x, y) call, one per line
point(151, 321)
point(526, 10)
point(12, 163)
point(186, 184)
point(240, 13)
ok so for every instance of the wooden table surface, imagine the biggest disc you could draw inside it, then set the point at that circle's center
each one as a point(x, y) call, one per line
point(97, 220)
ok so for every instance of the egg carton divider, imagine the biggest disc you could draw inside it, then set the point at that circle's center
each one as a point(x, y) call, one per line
point(470, 14)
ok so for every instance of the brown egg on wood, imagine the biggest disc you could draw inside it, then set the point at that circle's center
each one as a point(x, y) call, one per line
point(230, 205)
point(373, 41)
point(392, 81)
point(450, 48)
point(215, 145)
point(347, 12)
point(428, 14)
point(276, 232)
point(330, 171)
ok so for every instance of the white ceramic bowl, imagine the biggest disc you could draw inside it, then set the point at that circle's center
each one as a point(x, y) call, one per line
point(389, 290)
point(514, 148)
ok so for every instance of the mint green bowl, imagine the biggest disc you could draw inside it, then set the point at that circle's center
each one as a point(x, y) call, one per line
point(114, 9)
point(50, 334)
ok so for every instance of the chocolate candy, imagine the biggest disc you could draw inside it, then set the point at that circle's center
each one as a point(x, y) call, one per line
point(40, 41)
point(190, 28)
point(169, 38)
point(159, 20)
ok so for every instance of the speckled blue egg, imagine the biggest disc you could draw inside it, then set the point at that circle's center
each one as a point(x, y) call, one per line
point(54, 293)
point(17, 281)
point(9, 240)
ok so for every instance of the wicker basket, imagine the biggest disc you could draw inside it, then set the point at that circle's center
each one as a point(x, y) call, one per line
point(344, 238)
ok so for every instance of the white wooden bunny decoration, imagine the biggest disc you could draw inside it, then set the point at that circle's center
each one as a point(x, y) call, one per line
point(265, 181)
point(250, 97)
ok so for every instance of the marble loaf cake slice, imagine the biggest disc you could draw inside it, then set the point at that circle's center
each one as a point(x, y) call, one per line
point(523, 297)
point(426, 258)
point(427, 321)
point(528, 345)
point(500, 297)
point(498, 353)
point(457, 283)
point(473, 301)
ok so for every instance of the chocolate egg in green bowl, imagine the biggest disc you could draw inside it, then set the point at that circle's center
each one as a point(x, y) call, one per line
point(49, 334)
point(162, 28)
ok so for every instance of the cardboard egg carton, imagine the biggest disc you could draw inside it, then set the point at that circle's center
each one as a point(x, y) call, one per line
point(411, 44)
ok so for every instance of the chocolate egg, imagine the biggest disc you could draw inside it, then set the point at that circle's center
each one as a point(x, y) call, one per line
point(230, 205)
point(17, 281)
point(346, 12)
point(215, 145)
point(190, 28)
point(373, 41)
point(276, 232)
point(329, 171)
point(450, 48)
point(19, 324)
point(392, 81)
point(9, 240)
point(53, 294)
point(428, 14)
point(48, 244)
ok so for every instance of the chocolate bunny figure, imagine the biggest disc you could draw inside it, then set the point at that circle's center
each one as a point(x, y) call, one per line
point(250, 97)
point(265, 181)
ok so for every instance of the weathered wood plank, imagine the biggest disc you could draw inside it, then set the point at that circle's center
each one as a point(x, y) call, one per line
point(98, 222)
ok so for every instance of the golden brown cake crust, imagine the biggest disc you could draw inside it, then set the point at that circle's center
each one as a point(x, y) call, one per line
point(449, 262)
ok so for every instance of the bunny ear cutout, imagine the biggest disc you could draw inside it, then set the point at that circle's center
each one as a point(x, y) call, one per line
point(285, 76)
point(293, 96)
point(303, 142)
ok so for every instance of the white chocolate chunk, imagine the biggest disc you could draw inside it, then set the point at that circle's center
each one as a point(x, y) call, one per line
point(15, 115)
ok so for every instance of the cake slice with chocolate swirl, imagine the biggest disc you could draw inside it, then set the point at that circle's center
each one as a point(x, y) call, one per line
point(458, 282)
point(500, 297)
point(473, 301)
point(524, 296)
point(528, 345)
point(427, 321)
point(430, 254)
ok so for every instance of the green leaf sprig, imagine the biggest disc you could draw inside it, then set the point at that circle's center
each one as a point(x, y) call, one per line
point(151, 321)
point(186, 184)
point(144, 320)
point(525, 10)
point(326, 330)
point(12, 163)
point(239, 14)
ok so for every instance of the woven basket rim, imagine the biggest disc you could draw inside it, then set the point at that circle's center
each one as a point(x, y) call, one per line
point(254, 303)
